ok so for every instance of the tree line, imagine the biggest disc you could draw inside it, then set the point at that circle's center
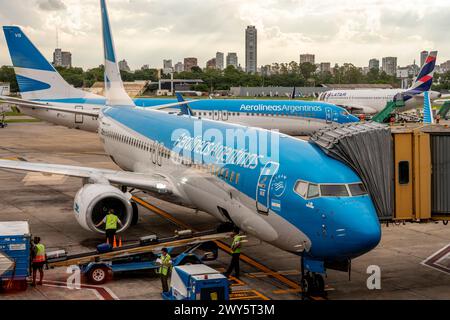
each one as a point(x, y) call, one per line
point(280, 74)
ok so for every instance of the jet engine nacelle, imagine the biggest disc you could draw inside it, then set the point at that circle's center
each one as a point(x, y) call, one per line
point(93, 202)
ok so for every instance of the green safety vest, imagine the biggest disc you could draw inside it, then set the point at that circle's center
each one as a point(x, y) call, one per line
point(40, 253)
point(235, 247)
point(166, 265)
point(111, 222)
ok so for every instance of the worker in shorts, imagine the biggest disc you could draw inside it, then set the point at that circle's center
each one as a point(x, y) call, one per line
point(38, 261)
point(110, 220)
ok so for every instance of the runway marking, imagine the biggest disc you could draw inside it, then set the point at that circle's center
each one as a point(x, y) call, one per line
point(223, 246)
point(247, 295)
point(439, 260)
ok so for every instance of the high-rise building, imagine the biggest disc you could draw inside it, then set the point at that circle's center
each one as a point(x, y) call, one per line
point(62, 58)
point(251, 49)
point(179, 67)
point(445, 67)
point(374, 64)
point(325, 67)
point(220, 60)
point(232, 59)
point(389, 65)
point(189, 63)
point(167, 66)
point(307, 58)
point(423, 57)
point(211, 64)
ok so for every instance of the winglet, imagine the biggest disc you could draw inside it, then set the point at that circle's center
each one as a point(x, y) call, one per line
point(427, 111)
point(185, 108)
point(114, 89)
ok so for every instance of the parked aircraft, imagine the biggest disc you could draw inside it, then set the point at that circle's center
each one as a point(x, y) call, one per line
point(282, 190)
point(370, 101)
point(40, 83)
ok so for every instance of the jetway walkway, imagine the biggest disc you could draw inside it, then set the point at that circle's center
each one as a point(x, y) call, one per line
point(384, 115)
point(368, 149)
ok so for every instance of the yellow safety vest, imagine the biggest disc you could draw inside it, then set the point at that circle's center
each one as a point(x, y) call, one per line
point(40, 253)
point(111, 222)
point(235, 247)
point(166, 265)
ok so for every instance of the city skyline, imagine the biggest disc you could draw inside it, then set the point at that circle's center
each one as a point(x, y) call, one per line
point(173, 31)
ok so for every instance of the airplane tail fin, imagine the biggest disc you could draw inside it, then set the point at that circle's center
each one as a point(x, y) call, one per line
point(427, 111)
point(424, 79)
point(185, 108)
point(114, 89)
point(37, 78)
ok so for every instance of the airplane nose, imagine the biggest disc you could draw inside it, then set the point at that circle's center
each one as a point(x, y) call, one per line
point(353, 118)
point(358, 230)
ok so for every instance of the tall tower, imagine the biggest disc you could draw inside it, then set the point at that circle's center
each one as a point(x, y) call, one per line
point(251, 49)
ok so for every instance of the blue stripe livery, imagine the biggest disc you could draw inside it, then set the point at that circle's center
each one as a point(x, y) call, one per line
point(23, 53)
point(28, 84)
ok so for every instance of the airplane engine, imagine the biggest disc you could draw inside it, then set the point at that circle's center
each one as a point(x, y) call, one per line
point(93, 202)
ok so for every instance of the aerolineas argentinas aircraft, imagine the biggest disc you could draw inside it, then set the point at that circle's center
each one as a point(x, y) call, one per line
point(41, 84)
point(284, 191)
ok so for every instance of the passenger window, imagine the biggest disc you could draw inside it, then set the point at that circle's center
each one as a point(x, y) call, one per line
point(357, 189)
point(333, 190)
point(403, 172)
point(313, 191)
point(301, 188)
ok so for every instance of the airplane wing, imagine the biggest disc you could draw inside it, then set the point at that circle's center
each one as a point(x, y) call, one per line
point(147, 182)
point(93, 113)
point(34, 104)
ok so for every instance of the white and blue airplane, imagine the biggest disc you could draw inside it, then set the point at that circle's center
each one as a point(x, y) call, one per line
point(282, 190)
point(41, 84)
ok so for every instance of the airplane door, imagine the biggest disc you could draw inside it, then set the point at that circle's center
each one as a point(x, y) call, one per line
point(78, 117)
point(224, 115)
point(328, 115)
point(263, 188)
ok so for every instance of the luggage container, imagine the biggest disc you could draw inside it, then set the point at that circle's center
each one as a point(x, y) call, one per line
point(15, 254)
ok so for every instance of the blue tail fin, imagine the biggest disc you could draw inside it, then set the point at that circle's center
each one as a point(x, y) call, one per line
point(37, 78)
point(185, 108)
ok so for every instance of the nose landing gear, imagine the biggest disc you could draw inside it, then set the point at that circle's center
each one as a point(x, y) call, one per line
point(312, 282)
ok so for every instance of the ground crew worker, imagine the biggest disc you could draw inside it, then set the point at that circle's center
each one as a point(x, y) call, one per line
point(110, 221)
point(438, 118)
point(236, 253)
point(165, 269)
point(38, 261)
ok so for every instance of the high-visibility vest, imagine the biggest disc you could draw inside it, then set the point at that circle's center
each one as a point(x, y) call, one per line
point(40, 253)
point(236, 245)
point(111, 221)
point(166, 265)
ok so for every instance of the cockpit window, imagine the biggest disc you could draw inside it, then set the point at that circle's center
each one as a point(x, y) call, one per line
point(357, 189)
point(313, 191)
point(301, 188)
point(333, 190)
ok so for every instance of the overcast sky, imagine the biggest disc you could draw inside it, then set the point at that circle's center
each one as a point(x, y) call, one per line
point(148, 31)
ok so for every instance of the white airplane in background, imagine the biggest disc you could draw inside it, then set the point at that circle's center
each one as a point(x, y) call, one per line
point(371, 101)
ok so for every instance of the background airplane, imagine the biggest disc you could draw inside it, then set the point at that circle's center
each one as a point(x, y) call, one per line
point(40, 83)
point(282, 199)
point(374, 100)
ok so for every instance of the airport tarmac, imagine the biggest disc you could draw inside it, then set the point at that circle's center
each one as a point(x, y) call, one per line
point(46, 202)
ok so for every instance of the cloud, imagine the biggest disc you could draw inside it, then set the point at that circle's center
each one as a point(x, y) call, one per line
point(148, 31)
point(51, 5)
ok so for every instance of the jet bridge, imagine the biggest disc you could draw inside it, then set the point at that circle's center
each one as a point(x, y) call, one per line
point(368, 149)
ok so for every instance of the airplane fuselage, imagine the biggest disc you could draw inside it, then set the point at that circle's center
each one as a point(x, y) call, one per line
point(289, 117)
point(255, 191)
point(371, 101)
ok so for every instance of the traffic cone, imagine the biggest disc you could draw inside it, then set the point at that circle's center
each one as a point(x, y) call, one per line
point(114, 243)
point(120, 242)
